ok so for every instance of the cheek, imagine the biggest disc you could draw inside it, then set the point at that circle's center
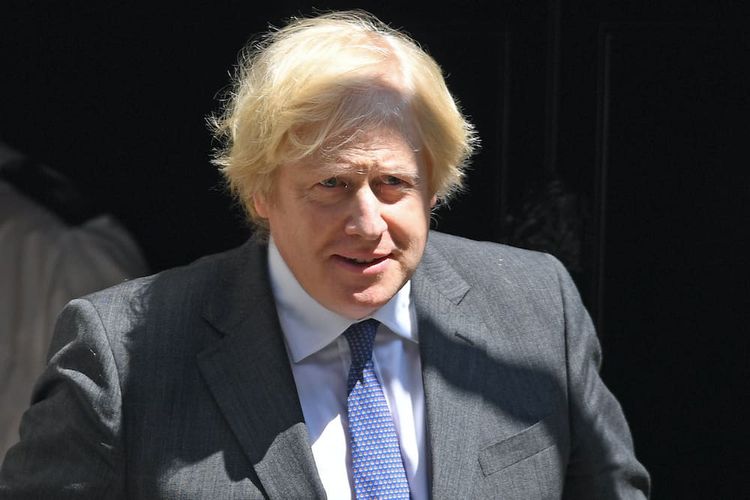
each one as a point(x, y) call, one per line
point(410, 226)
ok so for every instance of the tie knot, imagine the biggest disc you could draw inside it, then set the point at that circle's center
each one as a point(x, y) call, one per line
point(361, 338)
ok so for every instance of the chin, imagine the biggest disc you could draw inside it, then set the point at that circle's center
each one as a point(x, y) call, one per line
point(369, 301)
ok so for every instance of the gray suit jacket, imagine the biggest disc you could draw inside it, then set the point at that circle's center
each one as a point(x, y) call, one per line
point(178, 386)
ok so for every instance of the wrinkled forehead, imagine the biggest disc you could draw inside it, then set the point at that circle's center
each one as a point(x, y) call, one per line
point(362, 141)
point(385, 143)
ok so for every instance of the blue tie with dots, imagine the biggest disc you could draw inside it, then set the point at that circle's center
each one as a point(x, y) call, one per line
point(377, 467)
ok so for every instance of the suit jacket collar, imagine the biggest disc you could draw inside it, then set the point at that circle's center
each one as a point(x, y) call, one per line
point(249, 365)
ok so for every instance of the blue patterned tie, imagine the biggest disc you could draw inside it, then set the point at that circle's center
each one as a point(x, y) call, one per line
point(377, 467)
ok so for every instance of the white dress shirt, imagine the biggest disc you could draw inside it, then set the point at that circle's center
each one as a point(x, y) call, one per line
point(320, 361)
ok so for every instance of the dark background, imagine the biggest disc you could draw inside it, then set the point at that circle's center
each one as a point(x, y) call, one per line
point(614, 136)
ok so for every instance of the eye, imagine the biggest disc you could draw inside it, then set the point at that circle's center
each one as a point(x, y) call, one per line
point(331, 182)
point(390, 180)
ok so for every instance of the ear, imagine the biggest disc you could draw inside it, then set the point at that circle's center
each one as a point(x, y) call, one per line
point(260, 203)
point(433, 201)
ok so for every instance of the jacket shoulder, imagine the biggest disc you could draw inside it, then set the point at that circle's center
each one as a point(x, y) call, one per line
point(179, 283)
point(482, 260)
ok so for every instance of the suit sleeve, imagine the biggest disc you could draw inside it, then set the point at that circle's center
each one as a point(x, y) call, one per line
point(70, 436)
point(602, 462)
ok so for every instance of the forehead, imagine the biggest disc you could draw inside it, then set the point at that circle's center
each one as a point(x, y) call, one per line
point(380, 143)
point(378, 148)
point(375, 150)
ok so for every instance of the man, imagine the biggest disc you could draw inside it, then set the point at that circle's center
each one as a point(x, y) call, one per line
point(353, 353)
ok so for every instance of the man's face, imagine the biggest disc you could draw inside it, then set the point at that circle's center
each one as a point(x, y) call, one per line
point(352, 225)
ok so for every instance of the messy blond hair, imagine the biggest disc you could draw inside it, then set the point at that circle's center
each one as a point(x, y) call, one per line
point(323, 78)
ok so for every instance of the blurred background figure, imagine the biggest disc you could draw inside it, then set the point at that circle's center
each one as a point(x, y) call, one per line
point(54, 246)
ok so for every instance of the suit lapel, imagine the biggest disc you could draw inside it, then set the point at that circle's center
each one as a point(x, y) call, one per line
point(248, 373)
point(449, 339)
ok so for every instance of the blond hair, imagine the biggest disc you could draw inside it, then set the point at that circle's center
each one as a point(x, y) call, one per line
point(323, 78)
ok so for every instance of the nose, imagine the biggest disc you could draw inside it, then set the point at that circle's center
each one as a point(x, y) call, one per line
point(366, 218)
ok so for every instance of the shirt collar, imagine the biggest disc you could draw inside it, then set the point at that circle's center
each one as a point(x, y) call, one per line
point(308, 326)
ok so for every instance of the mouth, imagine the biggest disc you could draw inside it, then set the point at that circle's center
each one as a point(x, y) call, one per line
point(365, 261)
point(362, 263)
